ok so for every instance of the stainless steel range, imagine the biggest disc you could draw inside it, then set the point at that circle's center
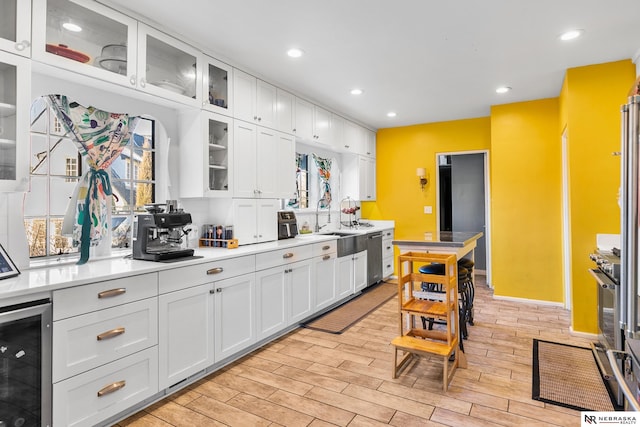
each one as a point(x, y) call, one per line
point(610, 331)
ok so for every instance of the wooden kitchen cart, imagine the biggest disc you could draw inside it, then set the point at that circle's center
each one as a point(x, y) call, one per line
point(441, 306)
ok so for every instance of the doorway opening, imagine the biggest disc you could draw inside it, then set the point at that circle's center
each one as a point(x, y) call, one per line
point(463, 199)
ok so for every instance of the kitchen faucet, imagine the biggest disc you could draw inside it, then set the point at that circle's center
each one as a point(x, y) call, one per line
point(318, 227)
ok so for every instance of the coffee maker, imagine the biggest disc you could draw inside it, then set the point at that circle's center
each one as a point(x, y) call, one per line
point(159, 235)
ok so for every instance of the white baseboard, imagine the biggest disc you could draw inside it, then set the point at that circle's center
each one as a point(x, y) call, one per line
point(530, 301)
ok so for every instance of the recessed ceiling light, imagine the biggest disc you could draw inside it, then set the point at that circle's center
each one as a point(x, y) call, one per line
point(570, 35)
point(295, 52)
point(72, 27)
point(356, 91)
point(503, 89)
point(391, 114)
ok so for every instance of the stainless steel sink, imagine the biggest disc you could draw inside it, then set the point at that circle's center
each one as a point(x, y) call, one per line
point(349, 243)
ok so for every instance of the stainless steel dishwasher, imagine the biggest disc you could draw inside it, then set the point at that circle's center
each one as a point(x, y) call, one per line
point(374, 258)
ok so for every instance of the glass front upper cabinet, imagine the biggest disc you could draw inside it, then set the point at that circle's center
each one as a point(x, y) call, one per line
point(168, 66)
point(15, 27)
point(86, 37)
point(217, 90)
point(15, 85)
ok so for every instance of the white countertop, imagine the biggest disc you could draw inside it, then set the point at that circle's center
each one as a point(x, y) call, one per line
point(41, 280)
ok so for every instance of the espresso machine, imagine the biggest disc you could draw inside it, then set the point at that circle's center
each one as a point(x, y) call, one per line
point(160, 235)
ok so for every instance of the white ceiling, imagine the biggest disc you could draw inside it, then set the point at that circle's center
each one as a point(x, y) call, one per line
point(426, 60)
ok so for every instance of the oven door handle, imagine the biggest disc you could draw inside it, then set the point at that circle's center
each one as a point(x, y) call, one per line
point(602, 279)
point(611, 355)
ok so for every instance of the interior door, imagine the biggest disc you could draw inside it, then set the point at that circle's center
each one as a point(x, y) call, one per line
point(462, 198)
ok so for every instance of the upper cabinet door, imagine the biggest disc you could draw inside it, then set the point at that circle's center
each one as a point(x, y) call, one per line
point(217, 86)
point(266, 105)
point(168, 67)
point(85, 37)
point(322, 125)
point(304, 120)
point(15, 86)
point(285, 105)
point(369, 143)
point(244, 96)
point(15, 27)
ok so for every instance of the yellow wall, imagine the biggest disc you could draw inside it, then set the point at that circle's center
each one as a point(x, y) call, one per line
point(526, 185)
point(593, 98)
point(526, 201)
point(399, 152)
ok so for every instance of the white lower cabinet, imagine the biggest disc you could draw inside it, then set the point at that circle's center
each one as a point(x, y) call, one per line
point(324, 268)
point(234, 315)
point(351, 274)
point(91, 397)
point(271, 311)
point(387, 253)
point(284, 296)
point(186, 328)
point(300, 291)
point(99, 337)
point(360, 271)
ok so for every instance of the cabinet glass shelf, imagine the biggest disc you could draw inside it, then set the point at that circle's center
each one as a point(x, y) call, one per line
point(7, 110)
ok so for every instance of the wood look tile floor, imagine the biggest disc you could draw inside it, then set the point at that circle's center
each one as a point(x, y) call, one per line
point(312, 378)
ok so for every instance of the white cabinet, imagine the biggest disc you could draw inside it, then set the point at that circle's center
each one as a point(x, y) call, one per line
point(186, 328)
point(359, 178)
point(353, 138)
point(387, 253)
point(255, 220)
point(15, 27)
point(312, 122)
point(254, 100)
point(286, 111)
point(337, 131)
point(360, 271)
point(187, 304)
point(324, 271)
point(351, 274)
point(106, 359)
point(15, 87)
point(264, 162)
point(217, 86)
point(90, 398)
point(116, 48)
point(369, 143)
point(271, 313)
point(206, 157)
point(284, 296)
point(168, 67)
point(300, 287)
point(234, 315)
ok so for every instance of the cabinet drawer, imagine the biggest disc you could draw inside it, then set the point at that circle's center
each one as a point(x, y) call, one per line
point(387, 248)
point(97, 296)
point(283, 256)
point(387, 267)
point(387, 234)
point(88, 341)
point(89, 398)
point(185, 277)
point(328, 247)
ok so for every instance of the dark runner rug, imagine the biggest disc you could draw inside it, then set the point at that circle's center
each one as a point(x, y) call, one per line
point(566, 375)
point(341, 318)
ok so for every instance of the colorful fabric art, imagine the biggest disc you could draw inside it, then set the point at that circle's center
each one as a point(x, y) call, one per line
point(324, 172)
point(100, 137)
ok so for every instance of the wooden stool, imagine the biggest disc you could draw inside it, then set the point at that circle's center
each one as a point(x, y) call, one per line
point(413, 340)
